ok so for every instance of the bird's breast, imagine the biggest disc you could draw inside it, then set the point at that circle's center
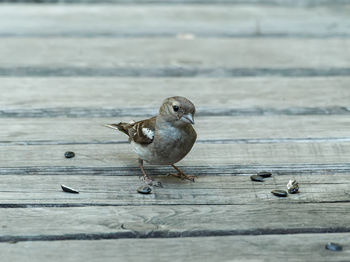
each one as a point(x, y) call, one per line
point(169, 146)
point(172, 145)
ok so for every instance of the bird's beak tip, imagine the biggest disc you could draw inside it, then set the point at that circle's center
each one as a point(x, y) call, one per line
point(188, 119)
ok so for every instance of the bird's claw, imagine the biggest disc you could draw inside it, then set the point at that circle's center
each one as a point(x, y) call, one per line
point(184, 176)
point(157, 184)
point(151, 182)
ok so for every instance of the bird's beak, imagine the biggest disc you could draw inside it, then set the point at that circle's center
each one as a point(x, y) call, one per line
point(188, 118)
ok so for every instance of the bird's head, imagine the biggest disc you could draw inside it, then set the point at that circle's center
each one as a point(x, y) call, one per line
point(178, 110)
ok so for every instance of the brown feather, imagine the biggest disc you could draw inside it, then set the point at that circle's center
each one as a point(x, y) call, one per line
point(134, 130)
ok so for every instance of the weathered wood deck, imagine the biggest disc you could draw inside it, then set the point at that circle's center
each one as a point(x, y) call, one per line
point(271, 76)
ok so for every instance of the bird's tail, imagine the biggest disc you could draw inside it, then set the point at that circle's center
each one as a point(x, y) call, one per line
point(123, 127)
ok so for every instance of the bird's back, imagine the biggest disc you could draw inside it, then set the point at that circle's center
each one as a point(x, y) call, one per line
point(141, 132)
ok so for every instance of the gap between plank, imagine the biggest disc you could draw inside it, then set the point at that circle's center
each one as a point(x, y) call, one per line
point(72, 205)
point(199, 141)
point(173, 234)
point(226, 170)
point(169, 71)
point(80, 112)
point(203, 35)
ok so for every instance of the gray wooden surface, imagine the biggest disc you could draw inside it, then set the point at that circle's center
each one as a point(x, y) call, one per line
point(270, 80)
point(225, 248)
point(204, 20)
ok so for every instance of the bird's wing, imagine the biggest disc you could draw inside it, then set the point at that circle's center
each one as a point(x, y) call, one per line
point(141, 132)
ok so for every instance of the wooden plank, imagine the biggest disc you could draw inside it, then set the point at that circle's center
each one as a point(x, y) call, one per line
point(121, 155)
point(228, 169)
point(290, 3)
point(277, 248)
point(171, 221)
point(261, 129)
point(170, 20)
point(173, 57)
point(103, 189)
point(95, 96)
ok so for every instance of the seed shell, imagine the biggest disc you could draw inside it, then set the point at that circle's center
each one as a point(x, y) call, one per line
point(144, 190)
point(293, 186)
point(257, 178)
point(279, 193)
point(69, 154)
point(334, 246)
point(264, 174)
point(69, 189)
point(293, 190)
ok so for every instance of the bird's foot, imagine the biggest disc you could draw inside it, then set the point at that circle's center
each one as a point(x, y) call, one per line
point(147, 180)
point(183, 176)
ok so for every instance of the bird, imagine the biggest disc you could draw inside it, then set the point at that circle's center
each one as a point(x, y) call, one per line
point(164, 139)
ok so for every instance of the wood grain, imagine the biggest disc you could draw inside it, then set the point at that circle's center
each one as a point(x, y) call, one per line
point(121, 155)
point(103, 189)
point(230, 248)
point(155, 56)
point(244, 130)
point(94, 94)
point(202, 20)
point(171, 221)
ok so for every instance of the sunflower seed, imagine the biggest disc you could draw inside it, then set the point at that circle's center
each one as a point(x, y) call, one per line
point(144, 190)
point(280, 193)
point(69, 189)
point(334, 246)
point(257, 178)
point(264, 174)
point(69, 154)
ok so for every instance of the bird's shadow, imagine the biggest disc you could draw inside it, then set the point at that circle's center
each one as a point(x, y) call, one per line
point(167, 179)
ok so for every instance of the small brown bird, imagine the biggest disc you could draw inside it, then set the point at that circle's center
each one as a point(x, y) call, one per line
point(164, 139)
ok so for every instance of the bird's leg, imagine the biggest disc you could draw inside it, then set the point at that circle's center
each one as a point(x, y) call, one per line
point(181, 175)
point(146, 178)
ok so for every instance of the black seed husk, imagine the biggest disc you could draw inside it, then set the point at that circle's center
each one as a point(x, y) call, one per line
point(279, 193)
point(144, 190)
point(334, 246)
point(293, 190)
point(257, 178)
point(69, 154)
point(264, 174)
point(69, 189)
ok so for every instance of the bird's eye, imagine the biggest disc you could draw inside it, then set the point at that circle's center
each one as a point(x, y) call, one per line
point(176, 108)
